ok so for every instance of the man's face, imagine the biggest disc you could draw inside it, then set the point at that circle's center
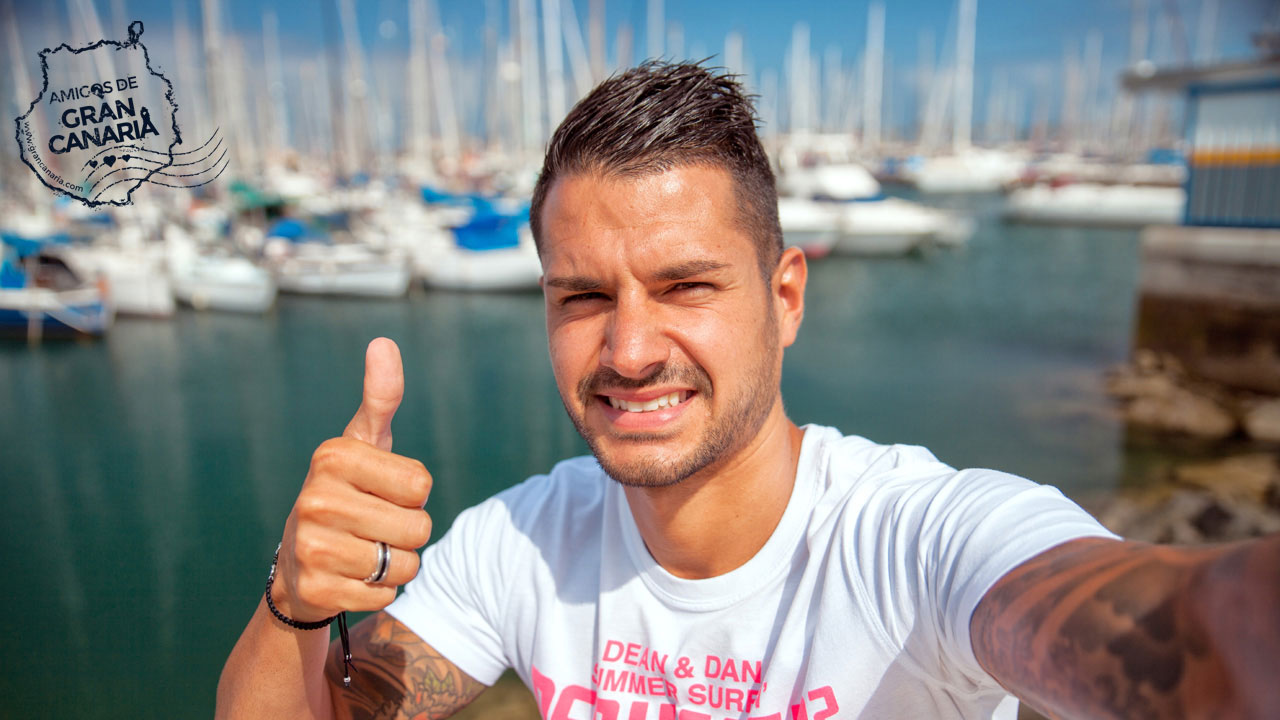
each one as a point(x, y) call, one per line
point(664, 337)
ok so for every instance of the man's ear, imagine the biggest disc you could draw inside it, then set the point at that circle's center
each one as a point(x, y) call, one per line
point(788, 285)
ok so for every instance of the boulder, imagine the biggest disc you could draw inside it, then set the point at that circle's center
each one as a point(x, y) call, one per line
point(1262, 420)
point(1187, 517)
point(1128, 385)
point(1182, 411)
point(1243, 478)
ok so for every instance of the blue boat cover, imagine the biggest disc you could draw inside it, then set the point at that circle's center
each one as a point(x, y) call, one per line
point(30, 245)
point(489, 232)
point(11, 278)
point(289, 229)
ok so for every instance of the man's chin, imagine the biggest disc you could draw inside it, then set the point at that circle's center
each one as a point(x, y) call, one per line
point(643, 474)
point(643, 462)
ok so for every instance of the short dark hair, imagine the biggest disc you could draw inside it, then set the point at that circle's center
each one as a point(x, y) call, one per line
point(660, 115)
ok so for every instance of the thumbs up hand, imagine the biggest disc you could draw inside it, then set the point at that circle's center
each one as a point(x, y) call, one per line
point(357, 493)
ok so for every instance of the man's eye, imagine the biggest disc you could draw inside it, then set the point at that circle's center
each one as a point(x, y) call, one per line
point(690, 287)
point(581, 297)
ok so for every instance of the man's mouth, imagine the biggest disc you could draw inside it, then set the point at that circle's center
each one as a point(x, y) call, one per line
point(650, 405)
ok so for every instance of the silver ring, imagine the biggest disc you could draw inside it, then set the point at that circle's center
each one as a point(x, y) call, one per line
point(383, 564)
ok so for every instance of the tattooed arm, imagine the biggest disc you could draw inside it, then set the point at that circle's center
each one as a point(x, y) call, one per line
point(397, 675)
point(1103, 628)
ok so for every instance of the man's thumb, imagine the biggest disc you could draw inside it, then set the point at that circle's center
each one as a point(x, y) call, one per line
point(383, 389)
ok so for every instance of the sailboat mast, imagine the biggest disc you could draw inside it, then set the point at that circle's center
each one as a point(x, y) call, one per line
point(529, 84)
point(442, 86)
point(799, 79)
point(420, 111)
point(595, 39)
point(553, 49)
point(966, 29)
point(656, 31)
point(873, 77)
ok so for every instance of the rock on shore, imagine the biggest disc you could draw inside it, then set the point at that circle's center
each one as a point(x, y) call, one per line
point(1155, 392)
point(1231, 499)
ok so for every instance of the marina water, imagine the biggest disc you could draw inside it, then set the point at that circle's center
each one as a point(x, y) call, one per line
point(147, 475)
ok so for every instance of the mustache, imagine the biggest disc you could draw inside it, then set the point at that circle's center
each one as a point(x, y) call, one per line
point(666, 374)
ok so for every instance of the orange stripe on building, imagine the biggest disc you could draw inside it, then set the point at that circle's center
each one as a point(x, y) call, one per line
point(1236, 156)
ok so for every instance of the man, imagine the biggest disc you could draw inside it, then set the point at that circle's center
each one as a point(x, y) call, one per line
point(714, 560)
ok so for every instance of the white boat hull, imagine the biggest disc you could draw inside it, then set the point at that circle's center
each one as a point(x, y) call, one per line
point(35, 311)
point(226, 284)
point(137, 282)
point(810, 225)
point(453, 268)
point(142, 294)
point(1087, 204)
point(374, 282)
point(893, 226)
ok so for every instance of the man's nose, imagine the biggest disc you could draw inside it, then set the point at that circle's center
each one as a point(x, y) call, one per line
point(634, 344)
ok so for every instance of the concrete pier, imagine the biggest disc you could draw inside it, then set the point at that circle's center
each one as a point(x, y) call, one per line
point(1210, 296)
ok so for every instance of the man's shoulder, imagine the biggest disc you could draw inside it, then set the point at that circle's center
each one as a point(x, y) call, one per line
point(575, 476)
point(860, 475)
point(572, 489)
point(848, 460)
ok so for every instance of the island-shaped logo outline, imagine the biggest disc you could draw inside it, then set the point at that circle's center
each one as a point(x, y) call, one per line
point(134, 156)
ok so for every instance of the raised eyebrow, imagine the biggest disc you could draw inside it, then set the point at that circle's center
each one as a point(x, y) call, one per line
point(688, 269)
point(574, 283)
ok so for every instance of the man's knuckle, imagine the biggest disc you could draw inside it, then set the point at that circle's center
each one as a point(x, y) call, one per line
point(309, 550)
point(329, 454)
point(314, 507)
point(417, 529)
point(423, 531)
point(416, 479)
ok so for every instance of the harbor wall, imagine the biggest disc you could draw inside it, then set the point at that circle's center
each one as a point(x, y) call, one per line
point(1210, 296)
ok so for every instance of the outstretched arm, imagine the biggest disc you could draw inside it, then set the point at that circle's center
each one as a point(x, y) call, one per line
point(396, 675)
point(1111, 629)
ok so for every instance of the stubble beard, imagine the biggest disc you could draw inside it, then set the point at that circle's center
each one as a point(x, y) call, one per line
point(726, 435)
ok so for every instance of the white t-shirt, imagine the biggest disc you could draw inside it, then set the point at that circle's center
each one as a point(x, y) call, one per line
point(858, 605)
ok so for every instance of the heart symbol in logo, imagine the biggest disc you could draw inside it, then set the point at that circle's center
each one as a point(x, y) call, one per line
point(93, 163)
point(125, 157)
point(109, 160)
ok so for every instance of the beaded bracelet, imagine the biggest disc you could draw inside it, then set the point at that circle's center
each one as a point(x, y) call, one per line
point(347, 665)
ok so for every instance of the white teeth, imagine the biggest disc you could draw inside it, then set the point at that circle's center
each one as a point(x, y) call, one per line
point(657, 403)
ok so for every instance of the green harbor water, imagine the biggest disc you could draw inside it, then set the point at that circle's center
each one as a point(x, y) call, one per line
point(147, 476)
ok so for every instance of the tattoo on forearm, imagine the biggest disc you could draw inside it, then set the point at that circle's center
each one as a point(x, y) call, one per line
point(1101, 629)
point(396, 676)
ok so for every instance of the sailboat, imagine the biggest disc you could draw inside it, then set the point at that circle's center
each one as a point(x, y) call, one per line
point(41, 296)
point(216, 281)
point(840, 208)
point(965, 169)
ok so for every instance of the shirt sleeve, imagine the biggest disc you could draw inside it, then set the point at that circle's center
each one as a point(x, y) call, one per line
point(454, 602)
point(931, 541)
point(995, 523)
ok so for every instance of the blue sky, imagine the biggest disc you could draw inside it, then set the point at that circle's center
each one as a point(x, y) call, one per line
point(1009, 31)
point(1024, 39)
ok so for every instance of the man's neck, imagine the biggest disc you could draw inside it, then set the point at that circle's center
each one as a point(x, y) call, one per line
point(715, 522)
